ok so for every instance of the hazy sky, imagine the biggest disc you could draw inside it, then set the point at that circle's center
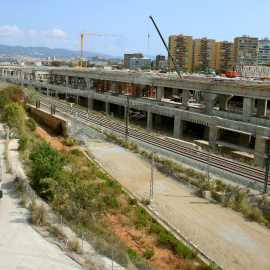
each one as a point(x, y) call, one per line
point(58, 23)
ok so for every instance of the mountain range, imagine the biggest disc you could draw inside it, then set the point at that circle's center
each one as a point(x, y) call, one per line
point(43, 52)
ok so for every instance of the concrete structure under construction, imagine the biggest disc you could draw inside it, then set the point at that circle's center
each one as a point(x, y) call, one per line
point(230, 114)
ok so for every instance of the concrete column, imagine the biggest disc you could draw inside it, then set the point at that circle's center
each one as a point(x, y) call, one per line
point(175, 92)
point(141, 89)
point(185, 97)
point(107, 107)
point(160, 93)
point(178, 127)
point(261, 107)
point(213, 137)
point(247, 109)
point(90, 103)
point(260, 150)
point(75, 83)
point(223, 101)
point(77, 99)
point(67, 80)
point(149, 120)
point(87, 81)
point(210, 99)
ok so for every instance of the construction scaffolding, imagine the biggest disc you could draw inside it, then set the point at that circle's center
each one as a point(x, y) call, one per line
point(151, 92)
point(132, 90)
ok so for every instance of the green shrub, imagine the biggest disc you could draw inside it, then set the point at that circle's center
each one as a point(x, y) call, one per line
point(148, 254)
point(77, 152)
point(131, 253)
point(110, 201)
point(31, 124)
point(132, 201)
point(23, 142)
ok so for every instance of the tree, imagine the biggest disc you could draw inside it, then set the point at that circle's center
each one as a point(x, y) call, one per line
point(72, 195)
point(11, 94)
point(14, 115)
point(46, 162)
point(32, 95)
point(56, 63)
point(198, 68)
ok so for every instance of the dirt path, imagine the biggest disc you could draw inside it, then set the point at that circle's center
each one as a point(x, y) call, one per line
point(226, 236)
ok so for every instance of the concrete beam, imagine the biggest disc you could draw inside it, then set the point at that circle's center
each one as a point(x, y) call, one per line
point(210, 99)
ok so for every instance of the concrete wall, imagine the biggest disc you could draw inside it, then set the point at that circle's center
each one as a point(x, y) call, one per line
point(50, 120)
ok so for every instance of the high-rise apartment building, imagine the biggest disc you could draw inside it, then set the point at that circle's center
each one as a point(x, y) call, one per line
point(224, 54)
point(181, 49)
point(204, 52)
point(245, 50)
point(128, 56)
point(264, 52)
point(159, 57)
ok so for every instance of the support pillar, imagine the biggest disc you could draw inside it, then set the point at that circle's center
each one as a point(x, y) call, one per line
point(185, 97)
point(177, 129)
point(107, 107)
point(247, 109)
point(90, 104)
point(76, 81)
point(160, 93)
point(77, 99)
point(223, 101)
point(149, 120)
point(210, 100)
point(261, 107)
point(259, 152)
point(213, 136)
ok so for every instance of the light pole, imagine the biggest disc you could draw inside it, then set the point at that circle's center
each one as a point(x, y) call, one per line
point(267, 168)
point(208, 168)
point(151, 194)
point(127, 117)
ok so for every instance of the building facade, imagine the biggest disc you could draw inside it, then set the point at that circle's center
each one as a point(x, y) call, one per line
point(204, 52)
point(264, 52)
point(224, 54)
point(128, 56)
point(246, 50)
point(181, 49)
point(140, 62)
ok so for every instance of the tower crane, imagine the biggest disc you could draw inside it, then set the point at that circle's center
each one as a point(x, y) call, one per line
point(176, 67)
point(89, 34)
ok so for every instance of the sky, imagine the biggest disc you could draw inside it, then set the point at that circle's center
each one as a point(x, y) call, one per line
point(58, 23)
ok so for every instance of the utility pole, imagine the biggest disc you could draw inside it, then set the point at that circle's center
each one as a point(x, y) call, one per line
point(267, 168)
point(127, 117)
point(151, 195)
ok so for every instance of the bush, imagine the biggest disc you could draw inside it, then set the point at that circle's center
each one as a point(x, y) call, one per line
point(39, 215)
point(31, 124)
point(148, 254)
point(23, 142)
point(77, 152)
point(132, 254)
point(110, 201)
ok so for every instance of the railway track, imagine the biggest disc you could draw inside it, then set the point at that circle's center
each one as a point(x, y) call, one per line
point(231, 166)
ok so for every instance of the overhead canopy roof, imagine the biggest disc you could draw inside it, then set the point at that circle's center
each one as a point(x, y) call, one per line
point(236, 130)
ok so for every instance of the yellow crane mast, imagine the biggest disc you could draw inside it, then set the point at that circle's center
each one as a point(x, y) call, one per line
point(89, 34)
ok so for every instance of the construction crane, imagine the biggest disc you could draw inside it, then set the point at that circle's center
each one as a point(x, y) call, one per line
point(176, 67)
point(89, 34)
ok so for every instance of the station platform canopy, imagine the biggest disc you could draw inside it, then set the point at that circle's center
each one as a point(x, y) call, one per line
point(236, 130)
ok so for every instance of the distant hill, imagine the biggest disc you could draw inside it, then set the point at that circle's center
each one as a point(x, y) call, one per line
point(43, 52)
